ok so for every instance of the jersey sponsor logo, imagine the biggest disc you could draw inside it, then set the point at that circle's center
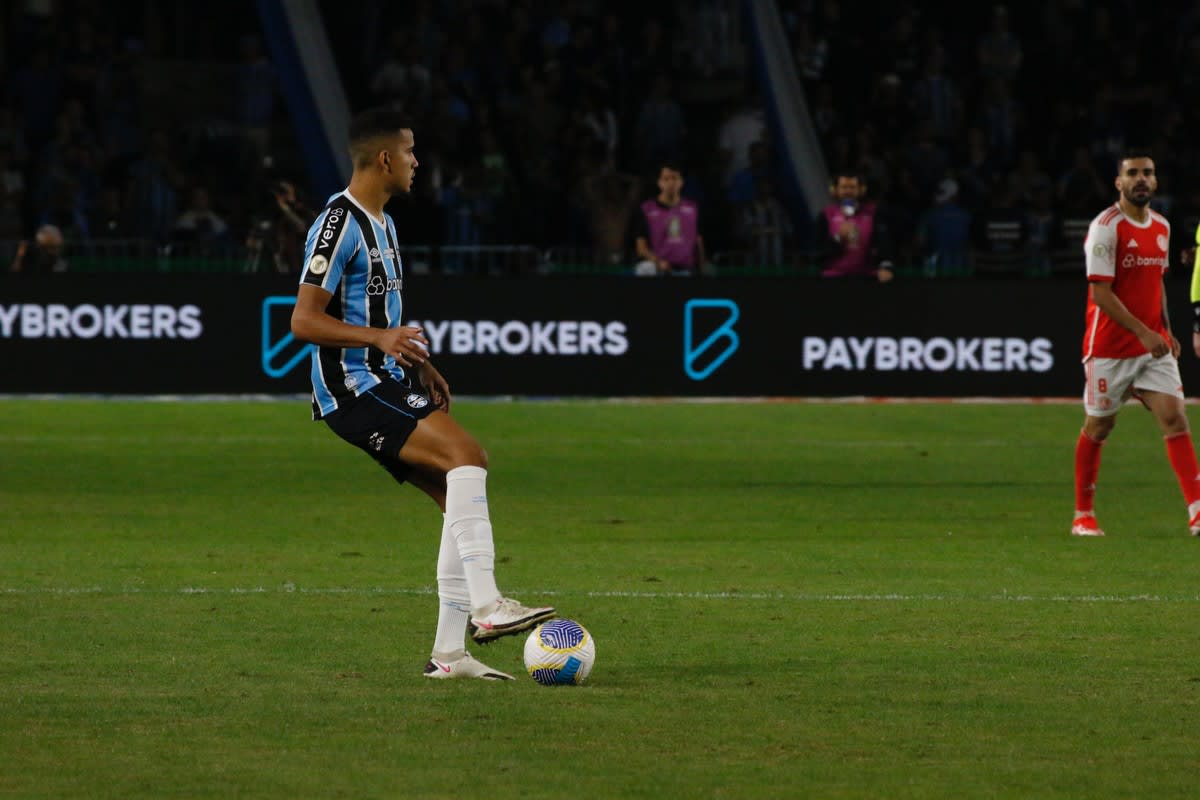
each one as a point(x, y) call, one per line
point(415, 400)
point(937, 354)
point(1130, 261)
point(376, 441)
point(708, 341)
point(87, 321)
point(378, 285)
point(329, 230)
point(518, 338)
point(318, 264)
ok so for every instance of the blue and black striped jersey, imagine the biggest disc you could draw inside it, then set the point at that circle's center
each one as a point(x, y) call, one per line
point(352, 255)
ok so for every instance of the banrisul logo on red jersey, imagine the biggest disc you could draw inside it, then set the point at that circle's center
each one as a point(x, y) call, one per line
point(1129, 261)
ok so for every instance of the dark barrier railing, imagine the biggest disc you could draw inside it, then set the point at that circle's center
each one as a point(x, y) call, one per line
point(186, 257)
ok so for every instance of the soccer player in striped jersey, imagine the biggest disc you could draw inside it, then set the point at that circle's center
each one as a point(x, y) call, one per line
point(1128, 347)
point(375, 387)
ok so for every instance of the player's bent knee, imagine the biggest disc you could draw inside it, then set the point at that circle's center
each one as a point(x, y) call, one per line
point(1098, 428)
point(464, 451)
point(1174, 423)
point(439, 444)
point(473, 456)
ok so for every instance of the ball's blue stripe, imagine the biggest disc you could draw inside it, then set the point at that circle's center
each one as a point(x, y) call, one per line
point(567, 673)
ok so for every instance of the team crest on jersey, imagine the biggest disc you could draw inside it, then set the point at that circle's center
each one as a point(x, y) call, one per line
point(416, 401)
point(350, 382)
point(1162, 242)
point(318, 264)
point(1102, 251)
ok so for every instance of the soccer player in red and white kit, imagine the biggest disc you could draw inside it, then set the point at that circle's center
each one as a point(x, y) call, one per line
point(1128, 347)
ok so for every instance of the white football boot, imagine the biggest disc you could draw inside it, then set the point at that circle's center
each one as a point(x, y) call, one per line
point(507, 618)
point(463, 667)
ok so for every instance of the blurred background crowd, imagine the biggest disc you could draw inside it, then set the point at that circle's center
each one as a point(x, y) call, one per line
point(160, 136)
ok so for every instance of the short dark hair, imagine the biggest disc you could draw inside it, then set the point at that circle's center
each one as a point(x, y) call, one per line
point(1130, 153)
point(848, 173)
point(377, 122)
point(669, 163)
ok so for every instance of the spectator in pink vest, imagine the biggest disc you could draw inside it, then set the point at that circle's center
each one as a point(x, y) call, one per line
point(668, 237)
point(850, 239)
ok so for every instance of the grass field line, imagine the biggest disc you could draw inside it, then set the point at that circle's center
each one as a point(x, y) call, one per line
point(798, 597)
point(551, 399)
point(642, 441)
point(175, 438)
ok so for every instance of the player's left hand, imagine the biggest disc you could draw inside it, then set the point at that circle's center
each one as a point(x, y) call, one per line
point(407, 344)
point(435, 385)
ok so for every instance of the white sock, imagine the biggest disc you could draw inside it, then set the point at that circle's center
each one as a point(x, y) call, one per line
point(454, 602)
point(469, 524)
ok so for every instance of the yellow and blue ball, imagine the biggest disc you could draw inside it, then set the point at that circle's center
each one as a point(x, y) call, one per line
point(559, 652)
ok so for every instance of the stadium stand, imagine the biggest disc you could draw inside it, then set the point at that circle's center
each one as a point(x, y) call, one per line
point(109, 123)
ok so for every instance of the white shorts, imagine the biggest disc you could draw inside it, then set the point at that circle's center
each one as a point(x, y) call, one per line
point(1109, 381)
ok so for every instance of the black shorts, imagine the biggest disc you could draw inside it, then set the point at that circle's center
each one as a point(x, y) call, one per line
point(379, 422)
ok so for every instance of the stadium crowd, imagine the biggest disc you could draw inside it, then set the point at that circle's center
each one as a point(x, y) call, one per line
point(543, 123)
point(1014, 113)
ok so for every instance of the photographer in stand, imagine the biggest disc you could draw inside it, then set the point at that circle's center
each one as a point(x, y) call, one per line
point(275, 240)
point(850, 237)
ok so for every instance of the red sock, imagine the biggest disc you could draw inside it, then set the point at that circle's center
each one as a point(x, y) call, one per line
point(1183, 461)
point(1087, 467)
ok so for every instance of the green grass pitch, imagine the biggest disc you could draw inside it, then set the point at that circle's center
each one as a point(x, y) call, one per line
point(214, 600)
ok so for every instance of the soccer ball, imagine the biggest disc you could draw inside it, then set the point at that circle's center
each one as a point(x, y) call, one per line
point(560, 651)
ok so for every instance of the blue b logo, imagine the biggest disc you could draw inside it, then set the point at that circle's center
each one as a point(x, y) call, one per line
point(698, 359)
point(271, 348)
